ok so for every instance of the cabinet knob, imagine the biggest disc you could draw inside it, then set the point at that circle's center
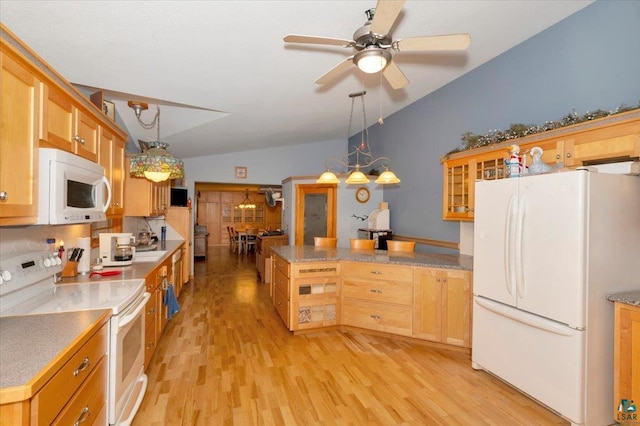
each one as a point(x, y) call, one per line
point(78, 139)
point(376, 272)
point(568, 155)
point(376, 316)
point(557, 156)
point(3, 195)
point(373, 290)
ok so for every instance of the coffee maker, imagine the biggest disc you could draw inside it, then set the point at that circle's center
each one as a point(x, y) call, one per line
point(117, 249)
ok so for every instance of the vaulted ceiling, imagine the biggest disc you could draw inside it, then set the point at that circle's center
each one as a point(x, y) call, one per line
point(226, 81)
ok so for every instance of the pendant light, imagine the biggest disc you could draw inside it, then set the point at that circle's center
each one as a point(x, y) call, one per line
point(246, 203)
point(363, 157)
point(156, 163)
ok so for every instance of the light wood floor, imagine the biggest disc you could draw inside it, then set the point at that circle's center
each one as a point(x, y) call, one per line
point(227, 359)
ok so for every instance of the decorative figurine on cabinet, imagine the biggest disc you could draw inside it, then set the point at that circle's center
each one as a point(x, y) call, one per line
point(515, 163)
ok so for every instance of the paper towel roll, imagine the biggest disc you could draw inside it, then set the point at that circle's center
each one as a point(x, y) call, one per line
point(84, 265)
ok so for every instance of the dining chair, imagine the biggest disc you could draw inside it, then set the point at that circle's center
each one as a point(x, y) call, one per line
point(250, 239)
point(362, 244)
point(401, 245)
point(325, 241)
point(233, 239)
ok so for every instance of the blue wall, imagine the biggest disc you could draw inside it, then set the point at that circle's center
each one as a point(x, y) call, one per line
point(588, 61)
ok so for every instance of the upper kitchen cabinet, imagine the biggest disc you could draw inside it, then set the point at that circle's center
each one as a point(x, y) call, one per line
point(144, 197)
point(39, 108)
point(609, 139)
point(66, 126)
point(111, 157)
point(18, 132)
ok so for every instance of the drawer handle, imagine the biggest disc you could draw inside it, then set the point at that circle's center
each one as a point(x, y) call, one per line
point(374, 290)
point(376, 316)
point(83, 366)
point(376, 272)
point(83, 416)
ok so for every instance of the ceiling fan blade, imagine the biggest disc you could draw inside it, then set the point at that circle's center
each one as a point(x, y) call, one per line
point(439, 42)
point(296, 38)
point(394, 76)
point(386, 13)
point(335, 71)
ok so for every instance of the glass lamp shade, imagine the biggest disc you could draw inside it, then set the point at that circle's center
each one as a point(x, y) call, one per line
point(372, 60)
point(357, 177)
point(387, 177)
point(328, 177)
point(157, 164)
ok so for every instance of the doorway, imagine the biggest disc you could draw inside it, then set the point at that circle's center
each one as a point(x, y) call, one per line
point(315, 212)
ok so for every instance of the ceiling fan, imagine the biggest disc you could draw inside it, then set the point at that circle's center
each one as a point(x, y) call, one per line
point(373, 44)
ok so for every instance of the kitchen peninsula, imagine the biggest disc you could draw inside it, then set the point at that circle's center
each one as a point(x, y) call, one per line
point(415, 295)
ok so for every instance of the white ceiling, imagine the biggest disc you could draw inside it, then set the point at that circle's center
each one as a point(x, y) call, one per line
point(226, 81)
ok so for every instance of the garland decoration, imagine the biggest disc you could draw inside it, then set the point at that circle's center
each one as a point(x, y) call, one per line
point(471, 141)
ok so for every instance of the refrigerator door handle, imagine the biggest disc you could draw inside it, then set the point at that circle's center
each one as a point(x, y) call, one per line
point(524, 318)
point(508, 257)
point(520, 284)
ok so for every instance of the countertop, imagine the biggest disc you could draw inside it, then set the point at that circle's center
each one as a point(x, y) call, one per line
point(317, 254)
point(628, 297)
point(32, 344)
point(136, 271)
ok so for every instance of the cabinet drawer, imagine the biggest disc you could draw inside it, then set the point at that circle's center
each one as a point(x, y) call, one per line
point(316, 313)
point(310, 270)
point(89, 401)
point(282, 265)
point(378, 291)
point(377, 316)
point(69, 378)
point(282, 306)
point(281, 283)
point(377, 271)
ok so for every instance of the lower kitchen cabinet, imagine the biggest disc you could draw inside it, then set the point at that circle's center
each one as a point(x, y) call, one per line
point(424, 303)
point(378, 297)
point(156, 312)
point(626, 364)
point(180, 219)
point(263, 252)
point(442, 310)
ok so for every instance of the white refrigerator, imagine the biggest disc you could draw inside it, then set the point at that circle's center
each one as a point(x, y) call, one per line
point(547, 250)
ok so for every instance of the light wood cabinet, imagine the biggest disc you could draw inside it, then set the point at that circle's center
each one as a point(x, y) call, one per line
point(442, 311)
point(143, 197)
point(111, 156)
point(19, 120)
point(314, 295)
point(156, 312)
point(614, 138)
point(263, 252)
point(280, 288)
point(378, 297)
point(64, 398)
point(180, 219)
point(65, 125)
point(626, 364)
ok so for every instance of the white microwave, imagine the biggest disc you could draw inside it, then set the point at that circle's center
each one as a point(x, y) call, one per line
point(71, 189)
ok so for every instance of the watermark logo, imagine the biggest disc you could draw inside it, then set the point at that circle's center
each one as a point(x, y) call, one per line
point(627, 411)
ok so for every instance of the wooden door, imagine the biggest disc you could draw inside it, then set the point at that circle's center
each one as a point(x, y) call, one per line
point(315, 212)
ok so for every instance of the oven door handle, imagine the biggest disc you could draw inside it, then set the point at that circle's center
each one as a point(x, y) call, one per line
point(128, 318)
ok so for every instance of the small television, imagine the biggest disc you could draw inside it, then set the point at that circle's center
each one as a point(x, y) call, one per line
point(179, 197)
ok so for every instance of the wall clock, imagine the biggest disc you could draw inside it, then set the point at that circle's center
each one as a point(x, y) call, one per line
point(362, 195)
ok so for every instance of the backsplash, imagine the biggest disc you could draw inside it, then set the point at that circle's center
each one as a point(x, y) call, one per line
point(20, 239)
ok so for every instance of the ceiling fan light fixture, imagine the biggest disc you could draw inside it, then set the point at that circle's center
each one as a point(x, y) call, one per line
point(372, 59)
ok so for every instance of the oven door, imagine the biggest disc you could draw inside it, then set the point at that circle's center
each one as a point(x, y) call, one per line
point(127, 381)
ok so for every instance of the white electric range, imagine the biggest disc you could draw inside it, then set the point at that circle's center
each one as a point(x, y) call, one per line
point(27, 287)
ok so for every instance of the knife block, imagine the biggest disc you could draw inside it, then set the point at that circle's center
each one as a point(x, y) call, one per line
point(70, 269)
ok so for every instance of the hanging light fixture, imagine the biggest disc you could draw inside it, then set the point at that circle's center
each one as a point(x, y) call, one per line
point(246, 203)
point(363, 157)
point(156, 163)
